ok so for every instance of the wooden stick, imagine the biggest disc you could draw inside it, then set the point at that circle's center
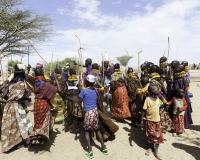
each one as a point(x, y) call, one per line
point(51, 64)
point(103, 67)
point(177, 52)
point(168, 49)
point(127, 52)
point(23, 36)
point(80, 58)
point(2, 74)
point(164, 51)
point(139, 60)
point(21, 58)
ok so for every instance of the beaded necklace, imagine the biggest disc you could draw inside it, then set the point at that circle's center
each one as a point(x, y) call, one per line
point(72, 78)
point(180, 75)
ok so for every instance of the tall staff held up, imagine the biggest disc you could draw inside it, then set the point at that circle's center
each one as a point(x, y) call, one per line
point(80, 58)
point(139, 60)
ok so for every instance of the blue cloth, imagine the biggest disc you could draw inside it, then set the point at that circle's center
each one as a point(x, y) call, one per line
point(89, 97)
point(64, 76)
point(38, 83)
point(188, 76)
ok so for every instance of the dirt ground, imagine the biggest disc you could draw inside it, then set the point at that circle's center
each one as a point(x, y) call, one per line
point(128, 143)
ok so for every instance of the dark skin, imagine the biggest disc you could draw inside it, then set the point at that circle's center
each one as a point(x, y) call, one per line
point(180, 68)
point(130, 70)
point(106, 64)
point(143, 68)
point(153, 93)
point(156, 69)
point(88, 62)
point(144, 81)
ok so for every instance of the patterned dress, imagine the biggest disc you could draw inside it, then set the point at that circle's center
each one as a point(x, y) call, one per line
point(120, 108)
point(44, 93)
point(16, 125)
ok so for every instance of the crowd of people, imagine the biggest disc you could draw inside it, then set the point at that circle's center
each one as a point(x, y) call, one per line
point(158, 98)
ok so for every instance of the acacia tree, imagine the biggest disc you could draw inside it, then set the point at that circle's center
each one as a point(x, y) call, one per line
point(124, 59)
point(35, 27)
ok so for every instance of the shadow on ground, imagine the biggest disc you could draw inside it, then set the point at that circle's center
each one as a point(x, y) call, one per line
point(193, 150)
point(41, 148)
point(136, 135)
point(194, 127)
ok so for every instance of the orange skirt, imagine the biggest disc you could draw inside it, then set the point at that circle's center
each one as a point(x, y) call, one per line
point(120, 108)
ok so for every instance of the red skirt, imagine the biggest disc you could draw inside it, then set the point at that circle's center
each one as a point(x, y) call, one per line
point(120, 107)
point(178, 123)
point(41, 118)
point(154, 133)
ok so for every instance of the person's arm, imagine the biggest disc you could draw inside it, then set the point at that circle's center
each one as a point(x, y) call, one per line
point(185, 84)
point(144, 112)
point(142, 118)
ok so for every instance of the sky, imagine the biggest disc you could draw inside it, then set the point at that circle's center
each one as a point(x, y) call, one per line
point(115, 27)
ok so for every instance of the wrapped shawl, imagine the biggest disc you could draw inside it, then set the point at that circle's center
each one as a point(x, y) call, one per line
point(45, 91)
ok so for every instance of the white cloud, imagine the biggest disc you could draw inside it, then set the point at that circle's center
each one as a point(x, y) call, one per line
point(149, 7)
point(137, 5)
point(147, 31)
point(117, 2)
point(62, 11)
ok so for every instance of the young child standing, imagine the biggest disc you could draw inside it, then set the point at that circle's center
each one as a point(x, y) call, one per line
point(91, 118)
point(179, 105)
point(153, 130)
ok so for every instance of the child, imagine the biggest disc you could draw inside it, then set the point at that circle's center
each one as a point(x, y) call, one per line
point(179, 105)
point(153, 131)
point(91, 118)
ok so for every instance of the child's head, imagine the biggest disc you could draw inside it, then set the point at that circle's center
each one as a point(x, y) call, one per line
point(90, 81)
point(153, 90)
point(180, 93)
point(144, 81)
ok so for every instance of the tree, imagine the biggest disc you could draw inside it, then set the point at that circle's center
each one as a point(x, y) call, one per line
point(35, 27)
point(124, 59)
point(63, 65)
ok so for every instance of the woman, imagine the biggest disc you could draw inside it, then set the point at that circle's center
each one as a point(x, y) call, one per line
point(44, 93)
point(133, 84)
point(73, 113)
point(16, 125)
point(119, 93)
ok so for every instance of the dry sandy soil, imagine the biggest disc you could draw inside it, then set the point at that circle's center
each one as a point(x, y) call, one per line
point(128, 143)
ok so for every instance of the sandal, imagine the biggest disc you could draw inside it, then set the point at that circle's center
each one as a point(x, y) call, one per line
point(89, 155)
point(104, 151)
point(158, 156)
point(148, 152)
